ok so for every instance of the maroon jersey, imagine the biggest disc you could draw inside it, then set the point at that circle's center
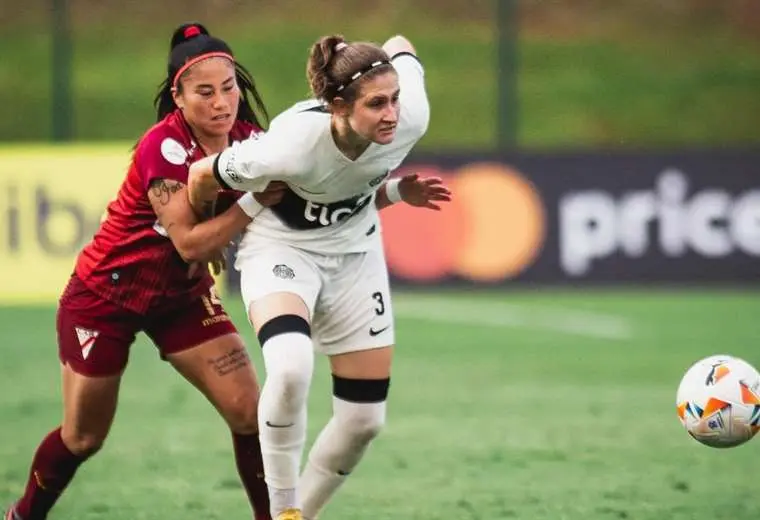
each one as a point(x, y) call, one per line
point(131, 261)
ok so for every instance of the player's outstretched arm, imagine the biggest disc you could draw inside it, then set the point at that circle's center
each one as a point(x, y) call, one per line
point(421, 192)
point(415, 106)
point(397, 45)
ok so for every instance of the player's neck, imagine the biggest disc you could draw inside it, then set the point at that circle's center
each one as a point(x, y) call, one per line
point(348, 141)
point(210, 144)
point(213, 144)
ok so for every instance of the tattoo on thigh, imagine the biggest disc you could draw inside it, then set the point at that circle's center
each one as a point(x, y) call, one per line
point(235, 359)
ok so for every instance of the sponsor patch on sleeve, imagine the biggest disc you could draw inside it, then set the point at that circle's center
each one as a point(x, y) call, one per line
point(173, 151)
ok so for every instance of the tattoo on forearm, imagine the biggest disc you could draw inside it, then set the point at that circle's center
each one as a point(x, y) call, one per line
point(163, 190)
point(233, 360)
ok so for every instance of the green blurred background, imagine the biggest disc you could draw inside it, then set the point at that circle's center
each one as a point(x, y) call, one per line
point(589, 73)
point(537, 404)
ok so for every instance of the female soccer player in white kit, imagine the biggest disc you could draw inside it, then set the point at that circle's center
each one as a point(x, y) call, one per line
point(313, 271)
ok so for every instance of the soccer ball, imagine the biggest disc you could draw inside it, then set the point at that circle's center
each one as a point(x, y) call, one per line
point(718, 401)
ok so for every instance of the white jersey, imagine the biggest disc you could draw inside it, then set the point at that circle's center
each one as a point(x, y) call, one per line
point(330, 207)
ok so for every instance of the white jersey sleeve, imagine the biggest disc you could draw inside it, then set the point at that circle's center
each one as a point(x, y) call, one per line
point(252, 164)
point(415, 108)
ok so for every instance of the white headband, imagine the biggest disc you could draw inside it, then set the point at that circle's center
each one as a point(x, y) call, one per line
point(340, 46)
point(362, 72)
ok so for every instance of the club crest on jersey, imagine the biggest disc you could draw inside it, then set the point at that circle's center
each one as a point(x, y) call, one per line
point(284, 272)
point(173, 151)
point(86, 339)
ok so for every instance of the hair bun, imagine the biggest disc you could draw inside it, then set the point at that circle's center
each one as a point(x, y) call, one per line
point(187, 31)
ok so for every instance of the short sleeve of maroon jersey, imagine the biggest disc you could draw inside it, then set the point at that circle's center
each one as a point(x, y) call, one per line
point(161, 155)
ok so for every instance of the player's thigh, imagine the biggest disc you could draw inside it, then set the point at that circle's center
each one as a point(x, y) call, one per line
point(89, 407)
point(189, 325)
point(94, 338)
point(354, 319)
point(222, 371)
point(363, 364)
point(202, 344)
point(277, 281)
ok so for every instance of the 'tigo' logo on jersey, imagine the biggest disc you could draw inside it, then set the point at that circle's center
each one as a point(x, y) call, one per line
point(329, 214)
point(712, 223)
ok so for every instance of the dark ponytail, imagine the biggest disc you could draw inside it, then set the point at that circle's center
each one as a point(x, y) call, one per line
point(189, 41)
point(336, 68)
point(318, 66)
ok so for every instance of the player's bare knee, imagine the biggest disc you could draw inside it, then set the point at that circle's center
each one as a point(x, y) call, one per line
point(361, 406)
point(241, 413)
point(83, 444)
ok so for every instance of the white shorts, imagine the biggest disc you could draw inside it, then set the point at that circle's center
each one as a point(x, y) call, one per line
point(348, 295)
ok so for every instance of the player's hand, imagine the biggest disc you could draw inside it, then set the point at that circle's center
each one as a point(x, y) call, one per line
point(218, 263)
point(398, 44)
point(423, 192)
point(272, 194)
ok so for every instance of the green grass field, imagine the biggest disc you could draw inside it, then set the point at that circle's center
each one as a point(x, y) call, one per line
point(552, 405)
point(640, 74)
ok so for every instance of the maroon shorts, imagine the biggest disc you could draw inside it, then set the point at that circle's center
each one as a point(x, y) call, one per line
point(95, 335)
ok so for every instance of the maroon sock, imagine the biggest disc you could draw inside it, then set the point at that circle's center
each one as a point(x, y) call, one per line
point(251, 470)
point(52, 469)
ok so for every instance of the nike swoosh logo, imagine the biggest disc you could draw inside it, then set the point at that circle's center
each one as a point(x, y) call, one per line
point(373, 332)
point(279, 425)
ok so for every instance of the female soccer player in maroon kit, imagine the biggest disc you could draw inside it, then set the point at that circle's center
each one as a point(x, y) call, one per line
point(142, 272)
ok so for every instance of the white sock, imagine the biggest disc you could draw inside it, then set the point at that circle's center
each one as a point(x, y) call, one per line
point(336, 452)
point(289, 363)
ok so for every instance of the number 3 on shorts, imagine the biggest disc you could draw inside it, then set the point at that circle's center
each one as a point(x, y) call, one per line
point(380, 309)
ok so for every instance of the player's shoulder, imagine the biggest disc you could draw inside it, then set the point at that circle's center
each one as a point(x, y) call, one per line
point(407, 60)
point(302, 127)
point(311, 116)
point(167, 138)
point(308, 108)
